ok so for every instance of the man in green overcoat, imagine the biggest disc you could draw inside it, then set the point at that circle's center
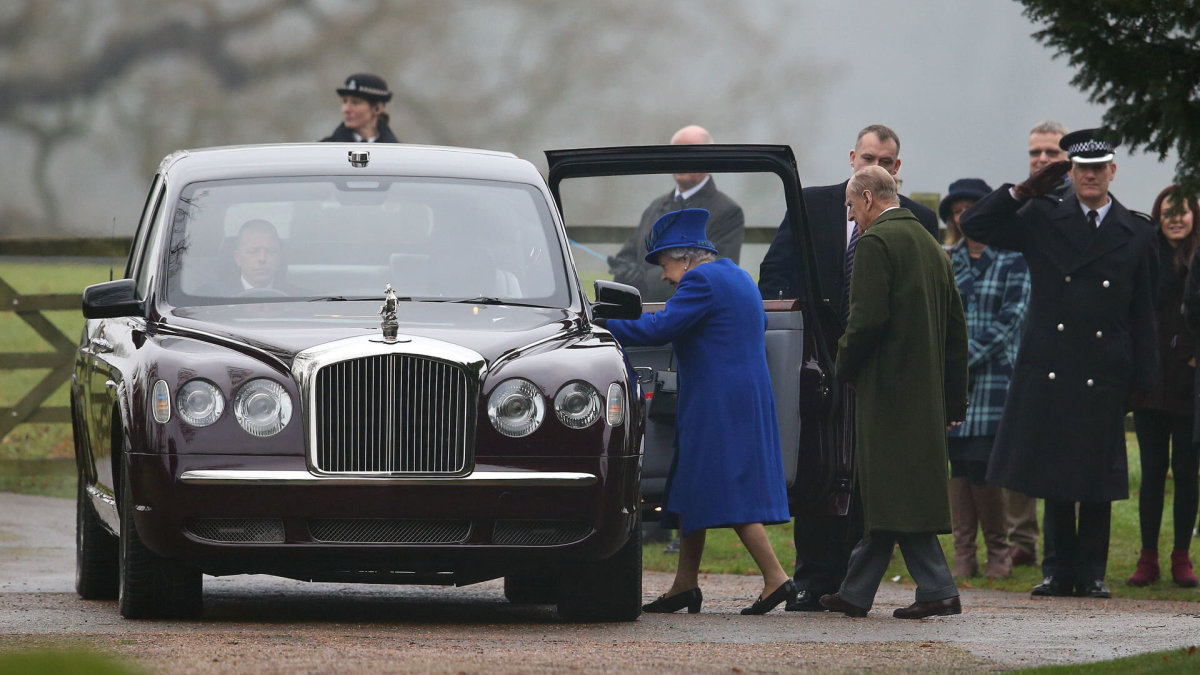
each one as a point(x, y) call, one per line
point(905, 353)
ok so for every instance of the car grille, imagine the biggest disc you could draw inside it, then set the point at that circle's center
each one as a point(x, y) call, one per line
point(393, 414)
point(238, 530)
point(388, 531)
point(539, 532)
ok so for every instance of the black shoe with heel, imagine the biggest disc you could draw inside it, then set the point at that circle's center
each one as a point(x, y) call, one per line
point(665, 605)
point(786, 591)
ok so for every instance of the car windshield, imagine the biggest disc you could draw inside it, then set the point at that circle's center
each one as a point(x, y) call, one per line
point(339, 238)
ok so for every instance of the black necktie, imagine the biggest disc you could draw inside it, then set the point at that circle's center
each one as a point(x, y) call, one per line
point(1092, 216)
point(678, 198)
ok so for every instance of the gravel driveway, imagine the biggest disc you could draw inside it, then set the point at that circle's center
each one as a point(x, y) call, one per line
point(267, 625)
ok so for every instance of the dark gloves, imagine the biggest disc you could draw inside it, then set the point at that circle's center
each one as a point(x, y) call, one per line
point(1043, 181)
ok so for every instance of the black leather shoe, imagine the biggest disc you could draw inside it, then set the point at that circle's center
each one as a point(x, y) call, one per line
point(1094, 589)
point(920, 610)
point(664, 605)
point(1052, 586)
point(805, 601)
point(836, 603)
point(786, 591)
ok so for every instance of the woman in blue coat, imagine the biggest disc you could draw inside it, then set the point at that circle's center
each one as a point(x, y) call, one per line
point(728, 467)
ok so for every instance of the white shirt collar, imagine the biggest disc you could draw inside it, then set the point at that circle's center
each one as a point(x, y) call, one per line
point(692, 190)
point(1100, 212)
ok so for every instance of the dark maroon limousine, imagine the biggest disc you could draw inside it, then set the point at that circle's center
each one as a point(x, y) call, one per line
point(376, 363)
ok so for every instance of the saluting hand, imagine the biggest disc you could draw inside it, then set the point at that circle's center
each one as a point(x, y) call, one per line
point(1042, 181)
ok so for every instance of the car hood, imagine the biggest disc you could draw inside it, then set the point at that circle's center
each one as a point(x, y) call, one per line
point(286, 328)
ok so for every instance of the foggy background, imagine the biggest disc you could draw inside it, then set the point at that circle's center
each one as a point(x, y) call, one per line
point(93, 93)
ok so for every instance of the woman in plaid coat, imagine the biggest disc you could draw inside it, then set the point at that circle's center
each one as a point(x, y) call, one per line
point(994, 286)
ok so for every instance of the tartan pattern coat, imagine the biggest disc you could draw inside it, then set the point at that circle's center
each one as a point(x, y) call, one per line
point(995, 297)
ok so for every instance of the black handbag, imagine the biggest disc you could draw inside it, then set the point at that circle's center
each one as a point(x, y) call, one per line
point(666, 392)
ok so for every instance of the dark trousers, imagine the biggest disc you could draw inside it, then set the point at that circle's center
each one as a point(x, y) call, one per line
point(1165, 441)
point(1080, 544)
point(823, 546)
point(922, 556)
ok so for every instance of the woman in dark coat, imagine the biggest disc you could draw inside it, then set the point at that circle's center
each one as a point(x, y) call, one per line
point(363, 118)
point(728, 467)
point(1165, 416)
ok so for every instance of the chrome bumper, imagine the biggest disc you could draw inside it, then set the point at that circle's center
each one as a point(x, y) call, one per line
point(481, 478)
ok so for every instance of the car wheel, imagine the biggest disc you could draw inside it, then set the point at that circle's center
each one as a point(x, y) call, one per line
point(96, 574)
point(152, 587)
point(604, 590)
point(531, 589)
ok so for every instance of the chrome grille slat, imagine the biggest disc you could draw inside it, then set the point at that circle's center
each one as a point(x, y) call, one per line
point(393, 414)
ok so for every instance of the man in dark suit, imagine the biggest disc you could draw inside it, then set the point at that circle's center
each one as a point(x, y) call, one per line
point(1087, 347)
point(726, 225)
point(824, 541)
point(258, 267)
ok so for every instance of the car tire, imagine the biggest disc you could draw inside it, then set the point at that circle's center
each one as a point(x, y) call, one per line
point(150, 586)
point(96, 573)
point(604, 590)
point(531, 589)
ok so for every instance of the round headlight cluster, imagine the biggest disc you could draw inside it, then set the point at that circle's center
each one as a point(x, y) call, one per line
point(262, 407)
point(577, 405)
point(199, 403)
point(516, 408)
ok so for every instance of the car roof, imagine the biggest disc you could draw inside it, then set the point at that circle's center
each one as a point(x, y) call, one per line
point(331, 159)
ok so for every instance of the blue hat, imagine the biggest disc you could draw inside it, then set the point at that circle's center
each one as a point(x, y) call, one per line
point(678, 229)
point(963, 188)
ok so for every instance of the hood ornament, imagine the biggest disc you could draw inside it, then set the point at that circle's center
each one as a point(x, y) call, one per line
point(390, 324)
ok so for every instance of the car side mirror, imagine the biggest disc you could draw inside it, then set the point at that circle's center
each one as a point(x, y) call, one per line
point(111, 299)
point(616, 301)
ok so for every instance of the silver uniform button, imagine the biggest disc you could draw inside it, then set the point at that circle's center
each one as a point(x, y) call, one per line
point(1068, 278)
point(1051, 376)
point(1091, 382)
point(1060, 328)
point(1105, 284)
point(1099, 333)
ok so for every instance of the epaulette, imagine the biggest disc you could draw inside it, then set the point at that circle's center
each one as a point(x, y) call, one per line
point(1143, 216)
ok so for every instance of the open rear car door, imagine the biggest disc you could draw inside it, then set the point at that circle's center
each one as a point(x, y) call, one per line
point(602, 192)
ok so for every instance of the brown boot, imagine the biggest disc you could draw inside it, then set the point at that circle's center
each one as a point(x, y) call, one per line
point(962, 512)
point(989, 505)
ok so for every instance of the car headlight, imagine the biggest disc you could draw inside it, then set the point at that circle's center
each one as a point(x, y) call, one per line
point(199, 402)
point(516, 408)
point(262, 407)
point(577, 404)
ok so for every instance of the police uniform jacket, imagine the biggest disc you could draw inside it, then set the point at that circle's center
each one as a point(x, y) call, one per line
point(1088, 343)
point(343, 134)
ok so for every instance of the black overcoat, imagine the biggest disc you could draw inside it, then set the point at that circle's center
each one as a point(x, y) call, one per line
point(1088, 343)
point(779, 274)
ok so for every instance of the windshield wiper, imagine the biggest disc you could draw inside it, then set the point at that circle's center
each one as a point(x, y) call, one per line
point(343, 298)
point(481, 300)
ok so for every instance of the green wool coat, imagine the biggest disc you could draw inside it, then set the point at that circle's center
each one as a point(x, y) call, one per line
point(905, 352)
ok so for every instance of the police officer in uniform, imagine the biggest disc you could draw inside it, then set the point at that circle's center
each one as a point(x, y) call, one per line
point(363, 118)
point(1088, 345)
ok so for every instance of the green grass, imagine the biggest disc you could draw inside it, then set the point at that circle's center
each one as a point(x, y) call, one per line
point(55, 661)
point(1184, 660)
point(724, 554)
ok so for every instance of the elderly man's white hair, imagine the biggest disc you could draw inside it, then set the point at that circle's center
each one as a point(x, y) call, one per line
point(878, 181)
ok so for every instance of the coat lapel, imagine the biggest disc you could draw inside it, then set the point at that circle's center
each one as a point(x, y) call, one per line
point(1114, 232)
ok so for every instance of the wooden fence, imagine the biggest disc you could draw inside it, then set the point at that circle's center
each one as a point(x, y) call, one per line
point(31, 308)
